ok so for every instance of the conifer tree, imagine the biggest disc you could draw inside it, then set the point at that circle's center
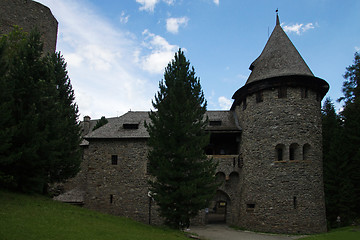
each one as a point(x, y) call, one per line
point(337, 183)
point(39, 124)
point(101, 122)
point(184, 180)
point(351, 118)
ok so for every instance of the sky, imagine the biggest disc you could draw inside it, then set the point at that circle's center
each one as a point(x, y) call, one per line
point(117, 51)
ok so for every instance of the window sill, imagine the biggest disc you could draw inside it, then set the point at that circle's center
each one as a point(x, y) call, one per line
point(293, 161)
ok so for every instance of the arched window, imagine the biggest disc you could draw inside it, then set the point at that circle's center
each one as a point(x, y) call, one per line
point(279, 152)
point(294, 152)
point(306, 151)
point(220, 177)
point(234, 178)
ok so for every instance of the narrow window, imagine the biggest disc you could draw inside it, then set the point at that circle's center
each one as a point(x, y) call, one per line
point(279, 151)
point(295, 202)
point(292, 154)
point(282, 92)
point(244, 104)
point(280, 154)
point(259, 97)
point(114, 159)
point(304, 93)
point(294, 151)
point(111, 198)
point(234, 162)
point(306, 151)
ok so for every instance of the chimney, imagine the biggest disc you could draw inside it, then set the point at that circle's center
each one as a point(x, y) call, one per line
point(86, 125)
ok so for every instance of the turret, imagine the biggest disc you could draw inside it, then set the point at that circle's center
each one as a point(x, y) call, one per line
point(279, 112)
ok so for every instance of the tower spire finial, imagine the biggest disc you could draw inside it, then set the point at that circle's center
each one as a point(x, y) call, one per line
point(277, 17)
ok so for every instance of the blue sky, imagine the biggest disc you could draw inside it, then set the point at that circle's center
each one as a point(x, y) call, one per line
point(117, 50)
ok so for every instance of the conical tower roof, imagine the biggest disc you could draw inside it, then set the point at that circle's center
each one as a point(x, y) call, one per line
point(279, 58)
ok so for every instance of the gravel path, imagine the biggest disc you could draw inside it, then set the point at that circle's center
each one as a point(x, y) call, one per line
point(223, 232)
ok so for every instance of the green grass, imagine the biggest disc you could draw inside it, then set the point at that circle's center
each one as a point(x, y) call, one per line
point(24, 217)
point(347, 233)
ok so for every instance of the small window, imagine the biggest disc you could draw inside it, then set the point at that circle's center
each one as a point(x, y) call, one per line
point(111, 198)
point(220, 177)
point(130, 125)
point(244, 104)
point(259, 97)
point(306, 151)
point(294, 152)
point(304, 93)
point(279, 151)
point(295, 202)
point(250, 205)
point(114, 159)
point(215, 123)
point(282, 92)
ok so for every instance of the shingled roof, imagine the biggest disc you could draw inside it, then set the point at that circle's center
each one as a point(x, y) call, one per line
point(117, 127)
point(279, 58)
point(131, 125)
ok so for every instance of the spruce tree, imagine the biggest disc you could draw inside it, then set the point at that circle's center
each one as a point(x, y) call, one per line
point(337, 183)
point(101, 122)
point(351, 118)
point(38, 123)
point(183, 177)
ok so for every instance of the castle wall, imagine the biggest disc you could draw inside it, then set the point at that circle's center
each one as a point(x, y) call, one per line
point(119, 189)
point(279, 194)
point(29, 14)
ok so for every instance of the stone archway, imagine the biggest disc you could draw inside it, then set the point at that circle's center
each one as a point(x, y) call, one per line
point(219, 208)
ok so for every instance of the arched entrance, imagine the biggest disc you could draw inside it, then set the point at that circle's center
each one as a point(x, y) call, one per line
point(218, 208)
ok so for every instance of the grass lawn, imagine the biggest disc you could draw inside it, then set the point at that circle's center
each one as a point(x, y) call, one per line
point(24, 217)
point(347, 233)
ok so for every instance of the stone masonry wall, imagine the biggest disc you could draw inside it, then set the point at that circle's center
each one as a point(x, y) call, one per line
point(29, 14)
point(286, 195)
point(120, 189)
point(229, 175)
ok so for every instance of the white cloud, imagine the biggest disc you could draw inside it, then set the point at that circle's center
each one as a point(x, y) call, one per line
point(173, 24)
point(161, 53)
point(298, 28)
point(169, 2)
point(357, 48)
point(149, 5)
point(124, 18)
point(224, 103)
point(109, 68)
point(217, 2)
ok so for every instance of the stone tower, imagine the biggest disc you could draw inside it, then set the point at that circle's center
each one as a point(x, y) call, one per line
point(281, 144)
point(28, 14)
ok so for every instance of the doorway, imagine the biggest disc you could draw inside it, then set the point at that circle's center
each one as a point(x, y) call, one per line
point(218, 208)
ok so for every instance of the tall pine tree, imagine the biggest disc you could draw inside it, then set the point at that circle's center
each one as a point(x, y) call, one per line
point(351, 118)
point(184, 180)
point(39, 124)
point(339, 189)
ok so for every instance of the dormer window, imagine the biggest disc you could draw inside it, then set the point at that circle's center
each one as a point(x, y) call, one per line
point(215, 123)
point(131, 126)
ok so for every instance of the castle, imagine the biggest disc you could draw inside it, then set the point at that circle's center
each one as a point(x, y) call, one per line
point(268, 145)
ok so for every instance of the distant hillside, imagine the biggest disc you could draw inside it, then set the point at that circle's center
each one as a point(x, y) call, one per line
point(36, 217)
